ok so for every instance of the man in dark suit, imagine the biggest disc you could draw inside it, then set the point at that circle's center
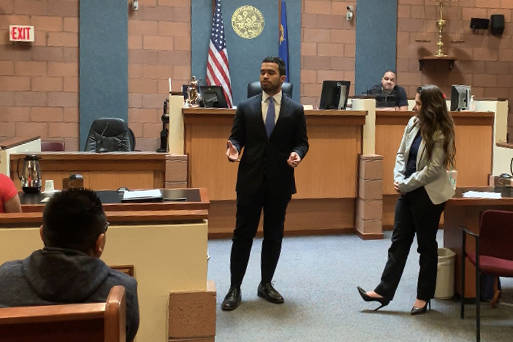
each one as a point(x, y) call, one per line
point(272, 130)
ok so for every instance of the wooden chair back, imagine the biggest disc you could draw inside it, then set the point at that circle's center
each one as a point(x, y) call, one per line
point(52, 145)
point(91, 322)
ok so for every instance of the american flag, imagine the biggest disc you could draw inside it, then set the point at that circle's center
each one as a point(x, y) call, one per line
point(218, 72)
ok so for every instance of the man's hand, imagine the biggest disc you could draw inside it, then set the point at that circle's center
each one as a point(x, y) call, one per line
point(231, 152)
point(294, 159)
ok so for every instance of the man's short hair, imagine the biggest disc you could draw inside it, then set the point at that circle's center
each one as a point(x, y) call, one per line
point(73, 219)
point(389, 70)
point(277, 60)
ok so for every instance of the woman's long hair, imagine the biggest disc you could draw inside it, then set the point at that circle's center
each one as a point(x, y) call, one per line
point(433, 116)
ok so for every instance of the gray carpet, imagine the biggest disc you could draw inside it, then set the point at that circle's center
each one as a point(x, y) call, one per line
point(318, 275)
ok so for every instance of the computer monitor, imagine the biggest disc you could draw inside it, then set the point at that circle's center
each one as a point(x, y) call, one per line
point(334, 94)
point(460, 97)
point(212, 96)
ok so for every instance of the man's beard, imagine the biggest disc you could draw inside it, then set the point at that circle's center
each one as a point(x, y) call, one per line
point(387, 91)
point(270, 87)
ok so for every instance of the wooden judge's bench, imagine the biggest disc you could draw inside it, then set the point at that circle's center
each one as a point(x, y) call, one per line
point(325, 179)
point(329, 182)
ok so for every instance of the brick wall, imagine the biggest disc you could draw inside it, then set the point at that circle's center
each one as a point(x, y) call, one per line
point(39, 82)
point(327, 46)
point(158, 48)
point(484, 61)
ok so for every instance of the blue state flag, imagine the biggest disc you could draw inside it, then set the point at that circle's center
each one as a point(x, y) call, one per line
point(284, 39)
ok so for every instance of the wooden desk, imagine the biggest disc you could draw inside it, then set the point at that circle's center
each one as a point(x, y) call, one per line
point(466, 212)
point(165, 241)
point(194, 209)
point(474, 148)
point(101, 171)
point(326, 179)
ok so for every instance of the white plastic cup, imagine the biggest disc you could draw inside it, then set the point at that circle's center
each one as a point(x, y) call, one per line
point(49, 185)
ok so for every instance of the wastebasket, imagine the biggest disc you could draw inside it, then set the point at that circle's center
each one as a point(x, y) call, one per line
point(445, 274)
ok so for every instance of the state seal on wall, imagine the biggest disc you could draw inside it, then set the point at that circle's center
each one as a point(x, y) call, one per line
point(248, 22)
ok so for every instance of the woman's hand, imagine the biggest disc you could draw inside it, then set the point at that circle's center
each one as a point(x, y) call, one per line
point(396, 187)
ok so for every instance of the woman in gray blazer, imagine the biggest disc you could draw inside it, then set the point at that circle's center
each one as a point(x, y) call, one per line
point(420, 175)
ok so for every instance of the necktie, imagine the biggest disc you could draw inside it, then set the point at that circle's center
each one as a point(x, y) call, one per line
point(269, 119)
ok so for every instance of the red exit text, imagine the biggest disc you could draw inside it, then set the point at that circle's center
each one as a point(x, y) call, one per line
point(21, 33)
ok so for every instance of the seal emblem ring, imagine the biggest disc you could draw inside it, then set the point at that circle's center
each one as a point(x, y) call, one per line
point(248, 22)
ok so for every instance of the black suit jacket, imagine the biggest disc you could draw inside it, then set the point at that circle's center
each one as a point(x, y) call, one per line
point(264, 160)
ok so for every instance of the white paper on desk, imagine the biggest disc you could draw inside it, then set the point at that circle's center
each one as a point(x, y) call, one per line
point(153, 193)
point(482, 194)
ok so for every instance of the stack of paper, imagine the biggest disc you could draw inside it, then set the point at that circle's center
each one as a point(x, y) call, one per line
point(482, 194)
point(141, 195)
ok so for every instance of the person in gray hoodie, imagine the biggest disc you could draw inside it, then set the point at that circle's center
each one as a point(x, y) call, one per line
point(68, 269)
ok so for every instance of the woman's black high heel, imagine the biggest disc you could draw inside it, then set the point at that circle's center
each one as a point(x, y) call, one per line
point(424, 309)
point(383, 301)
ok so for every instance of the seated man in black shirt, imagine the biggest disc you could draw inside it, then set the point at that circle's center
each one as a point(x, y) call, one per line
point(389, 96)
point(68, 269)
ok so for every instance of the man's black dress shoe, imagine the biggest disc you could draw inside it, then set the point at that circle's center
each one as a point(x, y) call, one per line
point(232, 299)
point(417, 311)
point(382, 300)
point(269, 293)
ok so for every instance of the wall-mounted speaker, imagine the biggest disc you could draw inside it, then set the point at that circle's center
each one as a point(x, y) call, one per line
point(497, 24)
point(479, 24)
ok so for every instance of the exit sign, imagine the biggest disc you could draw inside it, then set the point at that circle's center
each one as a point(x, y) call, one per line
point(21, 33)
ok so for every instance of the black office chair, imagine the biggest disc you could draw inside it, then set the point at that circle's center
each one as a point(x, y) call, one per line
point(109, 135)
point(254, 88)
point(132, 139)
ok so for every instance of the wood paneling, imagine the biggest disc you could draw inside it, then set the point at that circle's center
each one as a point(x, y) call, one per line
point(303, 216)
point(388, 139)
point(125, 213)
point(474, 145)
point(326, 180)
point(328, 171)
point(388, 211)
point(467, 212)
point(205, 145)
point(101, 171)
